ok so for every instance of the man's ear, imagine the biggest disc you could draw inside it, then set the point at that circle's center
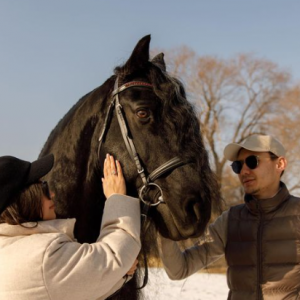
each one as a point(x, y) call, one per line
point(282, 163)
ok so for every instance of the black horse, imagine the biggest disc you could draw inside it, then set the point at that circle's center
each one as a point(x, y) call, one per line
point(157, 127)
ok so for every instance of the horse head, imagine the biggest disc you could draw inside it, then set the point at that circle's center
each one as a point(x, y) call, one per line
point(164, 130)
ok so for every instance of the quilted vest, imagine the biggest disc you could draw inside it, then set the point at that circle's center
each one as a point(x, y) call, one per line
point(263, 248)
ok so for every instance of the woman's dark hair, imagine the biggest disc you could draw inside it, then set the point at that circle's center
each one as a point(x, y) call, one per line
point(24, 207)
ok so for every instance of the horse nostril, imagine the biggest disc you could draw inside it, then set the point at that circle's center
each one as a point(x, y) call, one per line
point(193, 208)
point(197, 210)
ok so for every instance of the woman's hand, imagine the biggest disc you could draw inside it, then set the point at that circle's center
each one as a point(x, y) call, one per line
point(113, 181)
point(133, 268)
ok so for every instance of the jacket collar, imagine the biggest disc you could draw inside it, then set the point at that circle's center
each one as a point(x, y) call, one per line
point(65, 226)
point(267, 205)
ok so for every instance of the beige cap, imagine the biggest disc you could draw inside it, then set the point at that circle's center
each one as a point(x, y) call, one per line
point(256, 143)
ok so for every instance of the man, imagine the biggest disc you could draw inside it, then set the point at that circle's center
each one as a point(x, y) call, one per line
point(260, 238)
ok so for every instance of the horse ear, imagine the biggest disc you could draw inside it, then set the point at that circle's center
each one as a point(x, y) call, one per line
point(139, 56)
point(159, 61)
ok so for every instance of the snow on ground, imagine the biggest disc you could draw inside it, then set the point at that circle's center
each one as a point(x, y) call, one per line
point(200, 286)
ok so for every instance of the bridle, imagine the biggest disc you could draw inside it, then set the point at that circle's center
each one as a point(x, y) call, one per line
point(147, 181)
point(128, 140)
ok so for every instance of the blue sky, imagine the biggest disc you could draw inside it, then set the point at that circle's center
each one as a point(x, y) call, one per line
point(54, 52)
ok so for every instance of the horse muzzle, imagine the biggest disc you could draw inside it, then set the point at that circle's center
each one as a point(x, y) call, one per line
point(188, 222)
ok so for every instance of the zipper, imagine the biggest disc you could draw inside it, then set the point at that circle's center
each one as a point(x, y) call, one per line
point(259, 251)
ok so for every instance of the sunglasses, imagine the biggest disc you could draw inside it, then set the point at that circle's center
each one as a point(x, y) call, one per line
point(251, 162)
point(45, 189)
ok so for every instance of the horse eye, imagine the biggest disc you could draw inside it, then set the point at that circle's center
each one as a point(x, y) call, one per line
point(142, 113)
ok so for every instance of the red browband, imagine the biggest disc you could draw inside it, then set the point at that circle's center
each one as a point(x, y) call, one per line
point(141, 83)
point(129, 85)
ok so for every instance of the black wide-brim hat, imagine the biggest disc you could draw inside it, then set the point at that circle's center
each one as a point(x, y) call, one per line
point(17, 174)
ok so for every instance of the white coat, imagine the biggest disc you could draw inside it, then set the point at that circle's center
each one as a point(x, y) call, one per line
point(46, 262)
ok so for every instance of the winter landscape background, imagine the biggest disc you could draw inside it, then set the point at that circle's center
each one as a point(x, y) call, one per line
point(200, 286)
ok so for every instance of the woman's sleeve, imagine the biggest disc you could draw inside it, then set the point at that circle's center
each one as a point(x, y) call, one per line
point(211, 247)
point(91, 271)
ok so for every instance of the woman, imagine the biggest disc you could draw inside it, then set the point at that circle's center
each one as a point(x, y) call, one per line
point(39, 257)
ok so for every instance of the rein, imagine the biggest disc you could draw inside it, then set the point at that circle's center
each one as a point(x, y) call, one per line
point(147, 181)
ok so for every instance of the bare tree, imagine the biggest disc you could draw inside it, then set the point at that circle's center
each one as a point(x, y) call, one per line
point(285, 125)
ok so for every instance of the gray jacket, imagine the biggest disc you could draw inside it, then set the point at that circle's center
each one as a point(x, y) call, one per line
point(210, 248)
